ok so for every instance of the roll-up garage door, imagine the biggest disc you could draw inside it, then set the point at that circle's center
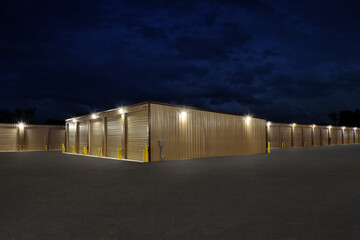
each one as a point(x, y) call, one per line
point(137, 134)
point(8, 139)
point(115, 136)
point(35, 138)
point(274, 136)
point(339, 137)
point(96, 136)
point(56, 138)
point(72, 134)
point(84, 133)
point(346, 137)
point(317, 132)
point(325, 136)
point(333, 136)
point(286, 136)
point(307, 136)
point(351, 136)
point(357, 136)
point(298, 136)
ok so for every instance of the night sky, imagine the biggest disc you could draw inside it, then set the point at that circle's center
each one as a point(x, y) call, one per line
point(288, 61)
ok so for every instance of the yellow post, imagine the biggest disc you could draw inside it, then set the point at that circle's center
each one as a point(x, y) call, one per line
point(269, 147)
point(63, 148)
point(49, 147)
point(337, 142)
point(147, 153)
point(350, 141)
point(118, 151)
point(24, 148)
point(100, 152)
point(85, 150)
point(304, 144)
point(72, 149)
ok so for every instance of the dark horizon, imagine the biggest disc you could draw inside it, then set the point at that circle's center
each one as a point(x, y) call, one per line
point(284, 61)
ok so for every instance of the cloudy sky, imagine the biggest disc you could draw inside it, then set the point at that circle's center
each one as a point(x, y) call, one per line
point(292, 61)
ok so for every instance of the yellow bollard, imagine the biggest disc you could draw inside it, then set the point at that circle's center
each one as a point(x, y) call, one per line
point(350, 142)
point(100, 152)
point(85, 150)
point(304, 144)
point(72, 149)
point(24, 148)
point(63, 148)
point(46, 148)
point(19, 148)
point(147, 153)
point(269, 147)
point(49, 147)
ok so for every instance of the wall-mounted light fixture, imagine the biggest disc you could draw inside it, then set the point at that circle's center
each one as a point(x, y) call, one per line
point(329, 127)
point(343, 128)
point(183, 115)
point(247, 119)
point(21, 125)
point(313, 125)
point(94, 116)
point(121, 111)
point(268, 124)
point(294, 124)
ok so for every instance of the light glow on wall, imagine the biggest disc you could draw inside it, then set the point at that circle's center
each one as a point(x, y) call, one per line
point(294, 124)
point(94, 116)
point(247, 119)
point(268, 124)
point(329, 127)
point(183, 115)
point(313, 125)
point(21, 125)
point(121, 111)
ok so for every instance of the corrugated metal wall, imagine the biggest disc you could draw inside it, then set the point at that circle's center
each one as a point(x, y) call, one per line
point(9, 138)
point(274, 136)
point(317, 136)
point(203, 134)
point(286, 136)
point(96, 136)
point(83, 137)
point(22, 137)
point(298, 141)
point(72, 136)
point(345, 137)
point(115, 136)
point(56, 138)
point(307, 136)
point(137, 137)
point(325, 136)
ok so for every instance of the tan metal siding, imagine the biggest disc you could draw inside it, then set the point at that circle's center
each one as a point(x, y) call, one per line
point(35, 138)
point(357, 132)
point(346, 137)
point(203, 134)
point(72, 134)
point(8, 139)
point(84, 135)
point(137, 134)
point(115, 135)
point(325, 136)
point(351, 136)
point(339, 136)
point(298, 136)
point(317, 136)
point(333, 136)
point(307, 136)
point(96, 137)
point(286, 136)
point(274, 136)
point(56, 138)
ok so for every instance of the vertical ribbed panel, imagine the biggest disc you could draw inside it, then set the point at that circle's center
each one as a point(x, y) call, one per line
point(298, 136)
point(8, 139)
point(325, 136)
point(286, 136)
point(333, 136)
point(56, 138)
point(115, 135)
point(84, 134)
point(96, 136)
point(274, 136)
point(137, 134)
point(307, 136)
point(351, 136)
point(346, 137)
point(317, 136)
point(35, 138)
point(357, 136)
point(339, 136)
point(203, 134)
point(72, 134)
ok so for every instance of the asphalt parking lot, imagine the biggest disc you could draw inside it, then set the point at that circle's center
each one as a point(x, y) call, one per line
point(300, 193)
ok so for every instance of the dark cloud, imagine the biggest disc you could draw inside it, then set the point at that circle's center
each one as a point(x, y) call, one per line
point(283, 60)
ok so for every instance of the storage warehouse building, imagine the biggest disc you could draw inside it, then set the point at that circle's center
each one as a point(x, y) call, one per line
point(26, 137)
point(153, 131)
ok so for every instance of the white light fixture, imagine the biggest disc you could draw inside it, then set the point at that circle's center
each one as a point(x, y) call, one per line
point(313, 125)
point(343, 128)
point(294, 124)
point(183, 115)
point(121, 111)
point(355, 128)
point(74, 120)
point(329, 126)
point(268, 124)
point(93, 116)
point(247, 118)
point(21, 125)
